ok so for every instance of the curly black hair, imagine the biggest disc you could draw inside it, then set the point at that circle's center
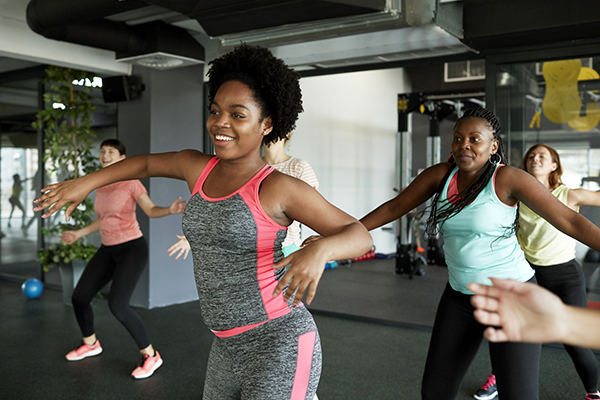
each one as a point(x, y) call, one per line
point(275, 86)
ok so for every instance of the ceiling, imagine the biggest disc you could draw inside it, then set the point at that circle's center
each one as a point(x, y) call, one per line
point(109, 37)
point(97, 36)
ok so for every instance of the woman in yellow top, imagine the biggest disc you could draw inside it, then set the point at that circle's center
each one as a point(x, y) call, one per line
point(551, 253)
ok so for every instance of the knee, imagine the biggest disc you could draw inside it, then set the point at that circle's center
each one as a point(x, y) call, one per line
point(118, 308)
point(79, 300)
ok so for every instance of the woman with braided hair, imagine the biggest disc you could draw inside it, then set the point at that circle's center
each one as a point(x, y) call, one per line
point(475, 208)
point(266, 343)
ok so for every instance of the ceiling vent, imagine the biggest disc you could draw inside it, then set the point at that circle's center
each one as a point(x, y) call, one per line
point(154, 44)
point(160, 60)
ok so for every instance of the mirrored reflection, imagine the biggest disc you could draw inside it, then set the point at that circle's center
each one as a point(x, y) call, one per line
point(556, 102)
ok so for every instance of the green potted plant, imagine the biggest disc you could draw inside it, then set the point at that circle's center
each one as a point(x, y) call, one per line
point(68, 139)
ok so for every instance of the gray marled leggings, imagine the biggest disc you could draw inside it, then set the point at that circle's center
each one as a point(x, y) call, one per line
point(278, 360)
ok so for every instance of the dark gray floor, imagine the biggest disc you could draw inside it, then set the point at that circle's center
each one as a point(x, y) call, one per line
point(363, 359)
point(371, 289)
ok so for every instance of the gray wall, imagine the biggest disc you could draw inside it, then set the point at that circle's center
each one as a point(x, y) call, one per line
point(167, 117)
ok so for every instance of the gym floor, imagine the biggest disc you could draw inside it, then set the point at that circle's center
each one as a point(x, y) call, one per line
point(374, 328)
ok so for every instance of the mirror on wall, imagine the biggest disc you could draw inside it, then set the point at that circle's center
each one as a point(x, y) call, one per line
point(556, 102)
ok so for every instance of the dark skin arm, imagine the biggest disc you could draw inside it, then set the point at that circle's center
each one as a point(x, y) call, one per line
point(286, 199)
point(174, 165)
point(283, 198)
point(418, 192)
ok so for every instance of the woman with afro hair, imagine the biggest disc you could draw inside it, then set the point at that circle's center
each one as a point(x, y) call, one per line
point(266, 343)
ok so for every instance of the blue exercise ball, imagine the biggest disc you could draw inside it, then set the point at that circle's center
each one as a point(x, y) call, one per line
point(32, 288)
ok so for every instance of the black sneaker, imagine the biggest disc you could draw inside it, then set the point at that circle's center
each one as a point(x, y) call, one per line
point(488, 390)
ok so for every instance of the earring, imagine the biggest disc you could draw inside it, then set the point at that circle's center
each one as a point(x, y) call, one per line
point(495, 160)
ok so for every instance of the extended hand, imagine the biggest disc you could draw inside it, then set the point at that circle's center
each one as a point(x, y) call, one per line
point(177, 207)
point(517, 311)
point(69, 237)
point(307, 266)
point(182, 246)
point(56, 196)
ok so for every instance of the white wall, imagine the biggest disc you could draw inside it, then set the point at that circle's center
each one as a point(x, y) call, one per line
point(347, 134)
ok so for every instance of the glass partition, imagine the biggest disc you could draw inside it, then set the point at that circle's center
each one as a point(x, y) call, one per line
point(556, 102)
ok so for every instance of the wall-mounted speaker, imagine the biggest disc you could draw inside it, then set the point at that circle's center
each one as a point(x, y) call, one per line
point(121, 88)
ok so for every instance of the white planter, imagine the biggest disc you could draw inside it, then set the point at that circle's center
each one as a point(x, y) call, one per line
point(69, 276)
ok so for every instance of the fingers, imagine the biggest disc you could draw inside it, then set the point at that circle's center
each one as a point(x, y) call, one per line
point(495, 335)
point(281, 285)
point(484, 303)
point(174, 249)
point(179, 254)
point(311, 239)
point(182, 246)
point(50, 201)
point(296, 289)
point(311, 292)
point(487, 318)
point(506, 284)
point(283, 263)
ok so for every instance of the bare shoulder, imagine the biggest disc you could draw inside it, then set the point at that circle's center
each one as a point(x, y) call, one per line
point(194, 155)
point(436, 173)
point(191, 163)
point(440, 169)
point(508, 173)
point(280, 181)
point(281, 194)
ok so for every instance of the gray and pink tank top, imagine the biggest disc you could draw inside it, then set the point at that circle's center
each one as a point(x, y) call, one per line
point(234, 244)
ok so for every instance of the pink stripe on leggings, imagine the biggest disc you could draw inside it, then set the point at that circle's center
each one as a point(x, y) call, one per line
point(306, 347)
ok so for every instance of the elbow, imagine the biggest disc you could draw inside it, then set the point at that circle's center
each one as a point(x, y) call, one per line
point(366, 238)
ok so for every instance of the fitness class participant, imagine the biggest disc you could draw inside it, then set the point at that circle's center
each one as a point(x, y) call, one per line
point(474, 206)
point(122, 258)
point(551, 253)
point(266, 343)
point(274, 155)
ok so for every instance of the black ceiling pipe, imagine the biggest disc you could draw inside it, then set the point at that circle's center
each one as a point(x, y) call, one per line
point(44, 16)
point(500, 24)
point(82, 22)
point(233, 16)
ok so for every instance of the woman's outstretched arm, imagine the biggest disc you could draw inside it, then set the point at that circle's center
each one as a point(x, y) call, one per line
point(525, 312)
point(185, 165)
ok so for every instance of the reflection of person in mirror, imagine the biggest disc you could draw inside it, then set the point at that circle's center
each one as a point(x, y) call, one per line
point(15, 198)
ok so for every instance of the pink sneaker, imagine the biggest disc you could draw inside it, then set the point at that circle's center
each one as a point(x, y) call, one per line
point(84, 351)
point(147, 366)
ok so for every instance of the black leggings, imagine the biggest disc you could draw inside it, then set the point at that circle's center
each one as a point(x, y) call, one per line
point(455, 341)
point(568, 282)
point(123, 264)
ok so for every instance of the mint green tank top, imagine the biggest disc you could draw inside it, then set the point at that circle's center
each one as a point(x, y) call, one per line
point(475, 241)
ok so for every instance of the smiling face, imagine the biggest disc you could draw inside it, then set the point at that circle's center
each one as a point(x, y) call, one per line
point(109, 155)
point(540, 163)
point(235, 124)
point(473, 143)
